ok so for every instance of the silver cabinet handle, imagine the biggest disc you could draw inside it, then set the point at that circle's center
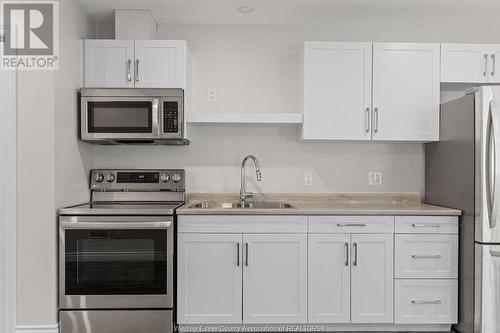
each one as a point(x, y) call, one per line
point(129, 70)
point(493, 64)
point(355, 246)
point(415, 256)
point(375, 120)
point(238, 254)
point(495, 253)
point(351, 225)
point(346, 254)
point(367, 120)
point(426, 225)
point(485, 64)
point(246, 254)
point(426, 302)
point(136, 70)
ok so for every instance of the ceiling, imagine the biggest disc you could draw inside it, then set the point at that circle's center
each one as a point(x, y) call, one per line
point(273, 11)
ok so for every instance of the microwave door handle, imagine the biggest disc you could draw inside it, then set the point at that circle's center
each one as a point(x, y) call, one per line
point(156, 118)
point(116, 225)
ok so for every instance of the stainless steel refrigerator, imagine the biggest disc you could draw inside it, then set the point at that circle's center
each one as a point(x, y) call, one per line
point(463, 172)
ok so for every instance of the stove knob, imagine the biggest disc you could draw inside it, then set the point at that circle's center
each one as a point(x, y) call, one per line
point(110, 178)
point(165, 178)
point(99, 177)
point(176, 177)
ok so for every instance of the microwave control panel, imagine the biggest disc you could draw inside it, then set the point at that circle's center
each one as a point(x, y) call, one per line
point(170, 117)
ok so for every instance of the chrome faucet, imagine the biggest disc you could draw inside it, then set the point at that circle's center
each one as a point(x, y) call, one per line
point(244, 195)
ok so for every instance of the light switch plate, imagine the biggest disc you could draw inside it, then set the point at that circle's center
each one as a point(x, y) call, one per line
point(308, 178)
point(212, 94)
point(375, 178)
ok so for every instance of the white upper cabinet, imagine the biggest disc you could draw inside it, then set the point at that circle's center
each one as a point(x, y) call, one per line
point(209, 287)
point(365, 91)
point(406, 91)
point(108, 63)
point(372, 278)
point(337, 80)
point(275, 278)
point(470, 63)
point(160, 63)
point(139, 64)
point(329, 299)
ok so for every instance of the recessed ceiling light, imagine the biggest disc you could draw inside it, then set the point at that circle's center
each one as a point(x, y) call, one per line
point(245, 9)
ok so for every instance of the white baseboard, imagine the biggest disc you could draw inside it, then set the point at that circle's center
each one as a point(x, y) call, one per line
point(37, 329)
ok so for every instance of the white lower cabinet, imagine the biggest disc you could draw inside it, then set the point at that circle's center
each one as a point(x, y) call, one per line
point(235, 278)
point(426, 301)
point(372, 278)
point(329, 280)
point(209, 284)
point(275, 278)
point(350, 278)
point(340, 271)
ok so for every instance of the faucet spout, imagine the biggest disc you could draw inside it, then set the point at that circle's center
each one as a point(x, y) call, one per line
point(243, 189)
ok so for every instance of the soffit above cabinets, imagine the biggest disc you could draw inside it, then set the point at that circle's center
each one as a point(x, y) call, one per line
point(277, 11)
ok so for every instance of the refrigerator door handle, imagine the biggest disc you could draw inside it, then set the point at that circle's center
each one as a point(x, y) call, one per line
point(493, 132)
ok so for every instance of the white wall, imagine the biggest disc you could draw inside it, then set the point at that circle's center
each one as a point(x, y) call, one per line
point(52, 168)
point(254, 69)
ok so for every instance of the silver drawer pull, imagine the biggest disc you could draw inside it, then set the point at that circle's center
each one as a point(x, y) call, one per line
point(426, 302)
point(495, 253)
point(426, 225)
point(351, 225)
point(437, 256)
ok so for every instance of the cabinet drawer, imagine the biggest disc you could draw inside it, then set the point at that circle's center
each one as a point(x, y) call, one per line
point(426, 302)
point(240, 224)
point(426, 224)
point(426, 256)
point(351, 224)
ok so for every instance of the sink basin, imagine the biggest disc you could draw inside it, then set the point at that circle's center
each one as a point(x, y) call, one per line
point(232, 205)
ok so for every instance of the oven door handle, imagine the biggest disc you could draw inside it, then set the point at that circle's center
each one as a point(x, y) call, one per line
point(116, 225)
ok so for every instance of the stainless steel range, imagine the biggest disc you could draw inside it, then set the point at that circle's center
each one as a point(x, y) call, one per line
point(116, 253)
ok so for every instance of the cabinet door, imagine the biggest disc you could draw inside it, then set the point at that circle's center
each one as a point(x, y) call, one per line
point(329, 278)
point(464, 63)
point(160, 63)
point(209, 277)
point(337, 91)
point(406, 92)
point(275, 279)
point(108, 63)
point(372, 278)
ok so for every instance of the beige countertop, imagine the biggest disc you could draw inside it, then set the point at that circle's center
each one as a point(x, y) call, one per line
point(321, 204)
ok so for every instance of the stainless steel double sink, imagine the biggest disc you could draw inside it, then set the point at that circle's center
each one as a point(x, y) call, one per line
point(237, 205)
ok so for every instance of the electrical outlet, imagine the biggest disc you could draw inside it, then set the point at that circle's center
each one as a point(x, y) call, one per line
point(308, 178)
point(375, 178)
point(212, 94)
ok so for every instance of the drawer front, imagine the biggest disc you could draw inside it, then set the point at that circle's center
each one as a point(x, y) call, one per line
point(239, 224)
point(351, 224)
point(426, 256)
point(426, 224)
point(426, 301)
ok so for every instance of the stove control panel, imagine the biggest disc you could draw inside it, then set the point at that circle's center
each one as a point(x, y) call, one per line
point(132, 180)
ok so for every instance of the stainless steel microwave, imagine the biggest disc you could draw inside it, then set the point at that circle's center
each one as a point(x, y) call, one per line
point(133, 116)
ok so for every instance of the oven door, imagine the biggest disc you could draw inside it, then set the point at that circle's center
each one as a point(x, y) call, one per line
point(119, 119)
point(115, 262)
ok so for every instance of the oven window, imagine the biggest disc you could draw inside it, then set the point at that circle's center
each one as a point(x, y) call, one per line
point(119, 117)
point(116, 262)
